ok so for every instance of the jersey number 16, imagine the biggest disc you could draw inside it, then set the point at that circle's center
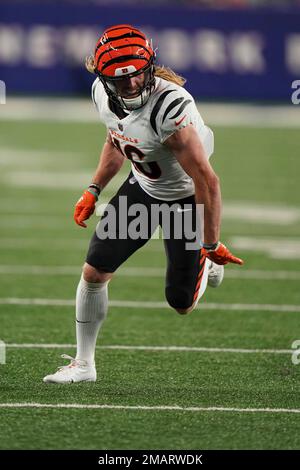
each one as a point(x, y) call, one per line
point(152, 170)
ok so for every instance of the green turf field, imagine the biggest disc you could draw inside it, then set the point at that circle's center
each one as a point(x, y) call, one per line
point(235, 392)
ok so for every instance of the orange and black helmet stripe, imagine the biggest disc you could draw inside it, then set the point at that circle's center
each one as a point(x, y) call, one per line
point(122, 44)
point(123, 59)
point(120, 47)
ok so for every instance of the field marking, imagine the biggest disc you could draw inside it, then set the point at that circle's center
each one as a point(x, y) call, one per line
point(241, 211)
point(152, 348)
point(42, 270)
point(42, 244)
point(260, 213)
point(153, 305)
point(12, 156)
point(149, 408)
point(35, 175)
point(81, 110)
point(63, 179)
point(278, 248)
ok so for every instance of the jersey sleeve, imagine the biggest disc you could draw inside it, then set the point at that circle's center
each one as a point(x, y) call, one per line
point(99, 97)
point(93, 91)
point(174, 110)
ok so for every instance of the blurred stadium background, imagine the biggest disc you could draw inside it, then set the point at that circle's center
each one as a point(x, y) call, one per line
point(231, 359)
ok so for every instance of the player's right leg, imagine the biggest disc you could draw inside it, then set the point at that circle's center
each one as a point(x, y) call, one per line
point(91, 311)
point(103, 259)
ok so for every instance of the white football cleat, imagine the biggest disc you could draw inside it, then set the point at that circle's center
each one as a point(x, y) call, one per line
point(215, 274)
point(76, 371)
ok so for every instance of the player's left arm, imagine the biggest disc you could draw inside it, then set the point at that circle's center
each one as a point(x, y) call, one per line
point(186, 146)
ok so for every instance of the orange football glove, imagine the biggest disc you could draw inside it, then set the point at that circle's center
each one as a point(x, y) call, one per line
point(221, 255)
point(85, 207)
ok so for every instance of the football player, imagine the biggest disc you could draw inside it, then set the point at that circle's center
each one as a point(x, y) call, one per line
point(154, 122)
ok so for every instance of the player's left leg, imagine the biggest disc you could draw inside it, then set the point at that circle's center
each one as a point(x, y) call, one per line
point(186, 277)
point(188, 270)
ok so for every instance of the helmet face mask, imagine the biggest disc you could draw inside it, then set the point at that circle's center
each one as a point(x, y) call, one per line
point(119, 88)
point(124, 63)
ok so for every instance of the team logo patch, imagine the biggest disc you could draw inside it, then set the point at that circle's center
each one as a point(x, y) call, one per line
point(120, 126)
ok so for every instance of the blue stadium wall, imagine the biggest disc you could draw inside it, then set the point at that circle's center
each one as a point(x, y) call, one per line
point(223, 54)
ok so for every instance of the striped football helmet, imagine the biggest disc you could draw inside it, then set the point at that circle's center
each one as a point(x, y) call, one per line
point(124, 63)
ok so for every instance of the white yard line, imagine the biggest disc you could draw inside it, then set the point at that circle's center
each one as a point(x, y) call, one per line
point(81, 110)
point(278, 248)
point(241, 211)
point(154, 305)
point(149, 408)
point(152, 348)
point(42, 244)
point(41, 270)
point(57, 179)
point(12, 157)
point(263, 213)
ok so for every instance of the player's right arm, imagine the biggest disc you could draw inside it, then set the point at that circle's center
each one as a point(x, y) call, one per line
point(110, 162)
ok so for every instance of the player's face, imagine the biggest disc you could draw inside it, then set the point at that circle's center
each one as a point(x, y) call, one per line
point(128, 87)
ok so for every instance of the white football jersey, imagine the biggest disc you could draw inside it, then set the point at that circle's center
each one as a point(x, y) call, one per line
point(140, 136)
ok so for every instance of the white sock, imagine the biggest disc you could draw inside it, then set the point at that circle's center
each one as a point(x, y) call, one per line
point(91, 310)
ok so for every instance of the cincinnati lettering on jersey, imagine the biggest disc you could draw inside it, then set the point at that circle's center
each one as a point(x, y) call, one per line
point(128, 139)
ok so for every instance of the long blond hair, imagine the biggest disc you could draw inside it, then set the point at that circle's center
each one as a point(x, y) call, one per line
point(159, 71)
point(168, 74)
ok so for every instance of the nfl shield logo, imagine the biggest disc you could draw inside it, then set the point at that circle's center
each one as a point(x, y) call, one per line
point(120, 126)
